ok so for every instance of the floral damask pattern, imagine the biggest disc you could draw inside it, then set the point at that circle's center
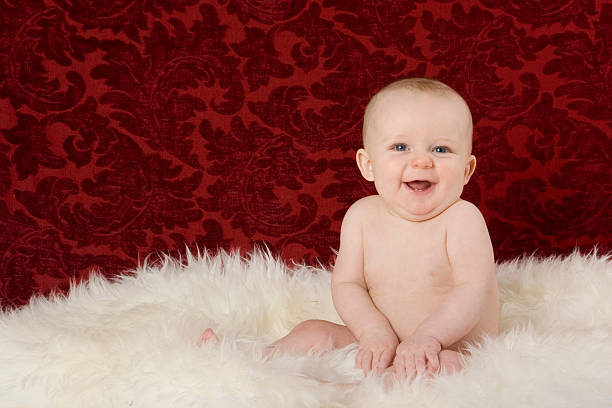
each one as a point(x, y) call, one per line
point(136, 127)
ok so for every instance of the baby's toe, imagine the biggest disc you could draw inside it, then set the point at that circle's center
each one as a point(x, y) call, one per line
point(209, 336)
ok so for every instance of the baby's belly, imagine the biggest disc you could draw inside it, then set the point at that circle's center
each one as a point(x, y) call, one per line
point(407, 309)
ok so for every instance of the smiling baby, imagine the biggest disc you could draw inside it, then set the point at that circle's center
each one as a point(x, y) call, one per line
point(414, 279)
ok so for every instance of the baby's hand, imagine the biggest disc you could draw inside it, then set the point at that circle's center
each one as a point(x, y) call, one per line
point(376, 351)
point(416, 354)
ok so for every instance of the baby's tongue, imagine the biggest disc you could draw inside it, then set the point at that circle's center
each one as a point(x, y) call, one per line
point(419, 185)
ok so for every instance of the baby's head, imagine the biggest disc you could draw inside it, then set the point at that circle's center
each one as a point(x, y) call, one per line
point(416, 85)
point(417, 137)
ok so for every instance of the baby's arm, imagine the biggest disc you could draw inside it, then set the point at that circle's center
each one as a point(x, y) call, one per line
point(471, 257)
point(377, 340)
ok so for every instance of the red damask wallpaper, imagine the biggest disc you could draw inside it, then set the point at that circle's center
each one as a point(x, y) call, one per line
point(132, 127)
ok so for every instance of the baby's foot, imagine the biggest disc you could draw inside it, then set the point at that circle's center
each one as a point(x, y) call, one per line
point(209, 336)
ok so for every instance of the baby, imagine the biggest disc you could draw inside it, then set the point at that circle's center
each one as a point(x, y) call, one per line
point(414, 279)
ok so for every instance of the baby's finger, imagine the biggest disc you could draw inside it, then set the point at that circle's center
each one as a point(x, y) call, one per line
point(409, 370)
point(385, 359)
point(364, 360)
point(419, 362)
point(358, 358)
point(381, 361)
point(399, 368)
point(375, 359)
point(433, 361)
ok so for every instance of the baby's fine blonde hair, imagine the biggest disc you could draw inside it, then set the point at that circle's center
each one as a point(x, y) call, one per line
point(426, 85)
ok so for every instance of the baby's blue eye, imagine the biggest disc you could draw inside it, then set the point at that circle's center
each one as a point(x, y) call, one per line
point(440, 149)
point(400, 147)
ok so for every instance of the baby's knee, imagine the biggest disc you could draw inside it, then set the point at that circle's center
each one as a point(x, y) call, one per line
point(314, 329)
point(312, 334)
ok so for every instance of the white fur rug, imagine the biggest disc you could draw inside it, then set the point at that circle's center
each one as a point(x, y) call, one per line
point(133, 342)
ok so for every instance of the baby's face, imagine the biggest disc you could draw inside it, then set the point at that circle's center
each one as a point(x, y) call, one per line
point(417, 152)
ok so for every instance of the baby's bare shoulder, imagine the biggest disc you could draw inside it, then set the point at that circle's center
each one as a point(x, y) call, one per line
point(465, 225)
point(358, 212)
point(463, 211)
point(364, 206)
point(465, 221)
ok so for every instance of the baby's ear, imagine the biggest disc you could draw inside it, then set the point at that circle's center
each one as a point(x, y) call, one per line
point(470, 166)
point(365, 165)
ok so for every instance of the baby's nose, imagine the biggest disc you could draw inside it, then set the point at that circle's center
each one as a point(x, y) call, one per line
point(421, 161)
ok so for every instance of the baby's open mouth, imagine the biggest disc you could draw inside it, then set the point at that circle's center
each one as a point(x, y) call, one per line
point(418, 185)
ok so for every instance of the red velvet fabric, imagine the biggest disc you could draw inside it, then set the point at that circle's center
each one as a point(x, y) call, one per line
point(130, 127)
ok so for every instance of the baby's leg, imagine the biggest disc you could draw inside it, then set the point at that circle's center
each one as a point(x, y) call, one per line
point(314, 335)
point(309, 335)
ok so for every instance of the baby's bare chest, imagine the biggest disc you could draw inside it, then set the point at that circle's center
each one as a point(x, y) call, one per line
point(404, 258)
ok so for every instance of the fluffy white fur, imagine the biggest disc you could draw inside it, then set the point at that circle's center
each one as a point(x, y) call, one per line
point(133, 342)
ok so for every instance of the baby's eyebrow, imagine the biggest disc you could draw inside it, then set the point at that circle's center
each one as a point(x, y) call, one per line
point(448, 141)
point(399, 138)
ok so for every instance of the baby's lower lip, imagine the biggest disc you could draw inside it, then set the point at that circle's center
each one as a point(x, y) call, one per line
point(419, 186)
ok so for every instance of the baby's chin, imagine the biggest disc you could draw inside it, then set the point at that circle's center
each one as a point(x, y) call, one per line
point(414, 216)
point(419, 214)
